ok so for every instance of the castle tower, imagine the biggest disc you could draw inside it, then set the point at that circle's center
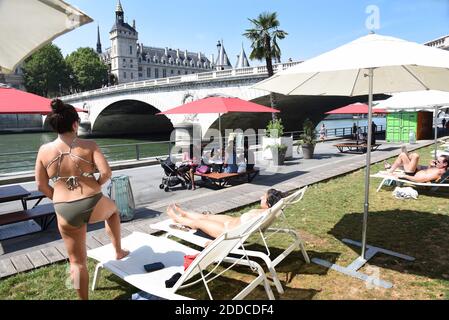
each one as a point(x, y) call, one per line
point(242, 60)
point(222, 60)
point(124, 61)
point(99, 49)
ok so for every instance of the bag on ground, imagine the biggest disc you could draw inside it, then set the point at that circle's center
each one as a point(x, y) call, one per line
point(405, 193)
point(121, 193)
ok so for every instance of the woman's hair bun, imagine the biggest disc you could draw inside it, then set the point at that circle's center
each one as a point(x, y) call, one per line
point(57, 106)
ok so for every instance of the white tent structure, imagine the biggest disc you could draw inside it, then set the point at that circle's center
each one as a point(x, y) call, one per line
point(27, 25)
point(430, 100)
point(372, 64)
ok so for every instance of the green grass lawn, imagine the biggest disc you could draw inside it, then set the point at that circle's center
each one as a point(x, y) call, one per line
point(329, 212)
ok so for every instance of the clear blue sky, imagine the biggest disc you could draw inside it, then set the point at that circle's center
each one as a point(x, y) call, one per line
point(313, 26)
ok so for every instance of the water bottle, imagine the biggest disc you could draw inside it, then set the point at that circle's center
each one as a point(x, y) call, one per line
point(412, 137)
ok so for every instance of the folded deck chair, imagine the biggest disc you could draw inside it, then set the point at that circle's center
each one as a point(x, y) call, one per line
point(267, 219)
point(387, 178)
point(146, 249)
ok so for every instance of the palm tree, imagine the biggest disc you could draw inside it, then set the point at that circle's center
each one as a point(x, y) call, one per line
point(264, 36)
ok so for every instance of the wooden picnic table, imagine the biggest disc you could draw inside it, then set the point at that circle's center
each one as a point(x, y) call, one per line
point(43, 214)
point(14, 193)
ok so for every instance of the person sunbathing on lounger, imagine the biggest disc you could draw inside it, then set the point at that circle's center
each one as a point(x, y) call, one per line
point(215, 225)
point(415, 172)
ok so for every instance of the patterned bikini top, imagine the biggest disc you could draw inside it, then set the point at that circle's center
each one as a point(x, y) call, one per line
point(72, 181)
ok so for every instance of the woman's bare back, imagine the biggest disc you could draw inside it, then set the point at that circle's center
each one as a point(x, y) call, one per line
point(80, 160)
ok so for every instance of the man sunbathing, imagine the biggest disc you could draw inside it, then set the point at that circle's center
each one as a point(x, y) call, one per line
point(415, 172)
point(216, 225)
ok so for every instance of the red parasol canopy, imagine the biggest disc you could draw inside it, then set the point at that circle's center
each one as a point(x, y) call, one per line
point(13, 101)
point(355, 108)
point(219, 105)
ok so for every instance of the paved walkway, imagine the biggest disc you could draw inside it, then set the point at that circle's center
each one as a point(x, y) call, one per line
point(32, 251)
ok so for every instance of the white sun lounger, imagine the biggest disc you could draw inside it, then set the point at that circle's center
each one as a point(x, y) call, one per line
point(145, 249)
point(268, 217)
point(388, 177)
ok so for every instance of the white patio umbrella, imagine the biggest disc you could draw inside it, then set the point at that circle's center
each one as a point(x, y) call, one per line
point(27, 25)
point(430, 100)
point(372, 64)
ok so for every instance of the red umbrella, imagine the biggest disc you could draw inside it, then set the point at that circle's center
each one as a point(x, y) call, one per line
point(355, 108)
point(219, 105)
point(14, 101)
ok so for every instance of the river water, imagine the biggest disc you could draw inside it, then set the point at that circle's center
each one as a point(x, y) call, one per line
point(11, 144)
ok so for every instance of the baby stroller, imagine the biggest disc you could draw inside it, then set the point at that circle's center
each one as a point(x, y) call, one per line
point(173, 176)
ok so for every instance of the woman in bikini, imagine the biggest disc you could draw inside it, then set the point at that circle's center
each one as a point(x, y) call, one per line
point(216, 225)
point(70, 164)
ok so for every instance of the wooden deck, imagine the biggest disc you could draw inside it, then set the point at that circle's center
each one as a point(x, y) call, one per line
point(15, 258)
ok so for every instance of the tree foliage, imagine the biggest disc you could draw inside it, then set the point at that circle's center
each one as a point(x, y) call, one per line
point(264, 36)
point(87, 69)
point(45, 72)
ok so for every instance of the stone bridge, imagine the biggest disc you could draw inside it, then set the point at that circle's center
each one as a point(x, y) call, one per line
point(131, 108)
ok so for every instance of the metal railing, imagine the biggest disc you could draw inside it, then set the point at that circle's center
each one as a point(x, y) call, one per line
point(230, 73)
point(24, 161)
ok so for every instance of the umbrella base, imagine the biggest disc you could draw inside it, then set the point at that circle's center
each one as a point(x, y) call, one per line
point(352, 269)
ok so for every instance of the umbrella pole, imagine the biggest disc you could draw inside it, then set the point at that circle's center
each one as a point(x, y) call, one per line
point(436, 131)
point(352, 269)
point(368, 162)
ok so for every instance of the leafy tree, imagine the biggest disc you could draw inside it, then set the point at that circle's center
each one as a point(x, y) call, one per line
point(264, 37)
point(87, 69)
point(45, 72)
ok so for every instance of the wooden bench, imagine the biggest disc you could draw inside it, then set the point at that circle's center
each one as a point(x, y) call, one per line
point(222, 179)
point(43, 215)
point(356, 147)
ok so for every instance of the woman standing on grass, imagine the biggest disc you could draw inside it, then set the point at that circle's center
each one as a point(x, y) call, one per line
point(70, 164)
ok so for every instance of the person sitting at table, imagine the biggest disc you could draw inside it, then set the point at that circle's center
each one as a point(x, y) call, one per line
point(416, 173)
point(230, 162)
point(190, 161)
point(216, 225)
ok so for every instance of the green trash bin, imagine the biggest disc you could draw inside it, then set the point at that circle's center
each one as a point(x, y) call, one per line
point(121, 193)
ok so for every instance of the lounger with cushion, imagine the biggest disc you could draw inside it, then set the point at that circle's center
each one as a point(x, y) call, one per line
point(386, 177)
point(146, 249)
point(263, 229)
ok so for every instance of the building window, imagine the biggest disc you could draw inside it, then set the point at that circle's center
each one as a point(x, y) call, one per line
point(131, 66)
point(124, 75)
point(179, 72)
point(130, 49)
point(140, 75)
point(164, 73)
point(132, 75)
point(131, 60)
point(124, 60)
point(186, 72)
point(172, 71)
point(140, 68)
point(148, 72)
point(156, 73)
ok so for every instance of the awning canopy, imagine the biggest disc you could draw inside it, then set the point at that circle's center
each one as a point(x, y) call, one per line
point(27, 25)
point(416, 101)
point(13, 101)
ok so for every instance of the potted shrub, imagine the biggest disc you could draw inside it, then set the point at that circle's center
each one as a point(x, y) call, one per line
point(274, 136)
point(278, 152)
point(308, 139)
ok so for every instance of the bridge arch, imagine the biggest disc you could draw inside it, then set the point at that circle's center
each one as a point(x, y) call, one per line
point(131, 117)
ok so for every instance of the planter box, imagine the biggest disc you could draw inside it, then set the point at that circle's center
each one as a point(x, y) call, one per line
point(288, 141)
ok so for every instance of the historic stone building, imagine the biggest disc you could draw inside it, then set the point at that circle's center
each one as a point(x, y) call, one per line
point(442, 43)
point(129, 61)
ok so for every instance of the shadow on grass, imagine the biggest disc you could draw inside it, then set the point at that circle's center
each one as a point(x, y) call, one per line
point(421, 235)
